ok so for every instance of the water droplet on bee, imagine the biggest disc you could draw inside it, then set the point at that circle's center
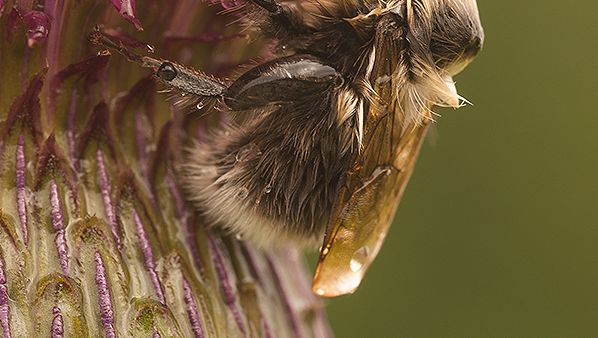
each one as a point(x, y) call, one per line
point(199, 106)
point(243, 193)
point(150, 48)
point(359, 258)
point(268, 189)
point(239, 237)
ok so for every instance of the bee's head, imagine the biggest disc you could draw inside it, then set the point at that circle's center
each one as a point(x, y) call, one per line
point(448, 31)
point(457, 33)
point(434, 39)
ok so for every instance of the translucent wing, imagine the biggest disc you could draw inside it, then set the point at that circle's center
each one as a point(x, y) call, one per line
point(367, 203)
point(361, 224)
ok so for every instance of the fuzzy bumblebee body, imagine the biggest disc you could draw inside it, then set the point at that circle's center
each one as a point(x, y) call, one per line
point(324, 138)
point(276, 174)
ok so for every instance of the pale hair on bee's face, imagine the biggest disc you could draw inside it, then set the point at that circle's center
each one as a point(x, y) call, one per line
point(441, 39)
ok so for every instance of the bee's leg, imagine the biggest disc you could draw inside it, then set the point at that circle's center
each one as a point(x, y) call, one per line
point(186, 80)
point(288, 79)
point(271, 6)
point(282, 19)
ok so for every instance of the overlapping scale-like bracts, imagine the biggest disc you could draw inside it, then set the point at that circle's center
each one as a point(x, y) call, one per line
point(96, 239)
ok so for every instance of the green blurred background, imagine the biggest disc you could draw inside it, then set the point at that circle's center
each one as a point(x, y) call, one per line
point(497, 235)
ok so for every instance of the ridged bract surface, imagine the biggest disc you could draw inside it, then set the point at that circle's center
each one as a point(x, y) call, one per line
point(96, 239)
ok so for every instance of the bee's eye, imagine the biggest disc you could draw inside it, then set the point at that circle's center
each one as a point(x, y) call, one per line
point(457, 37)
point(474, 46)
point(167, 72)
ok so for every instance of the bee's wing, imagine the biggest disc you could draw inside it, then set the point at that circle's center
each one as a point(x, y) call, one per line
point(361, 223)
point(366, 204)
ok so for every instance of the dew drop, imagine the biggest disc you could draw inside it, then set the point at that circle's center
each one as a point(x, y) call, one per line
point(199, 106)
point(239, 237)
point(150, 48)
point(359, 258)
point(243, 193)
point(268, 189)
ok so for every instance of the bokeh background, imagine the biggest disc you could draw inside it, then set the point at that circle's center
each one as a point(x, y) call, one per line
point(497, 235)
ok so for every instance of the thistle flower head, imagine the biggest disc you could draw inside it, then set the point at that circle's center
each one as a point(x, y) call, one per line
point(95, 236)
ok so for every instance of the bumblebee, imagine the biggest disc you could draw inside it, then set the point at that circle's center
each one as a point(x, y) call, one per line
point(325, 137)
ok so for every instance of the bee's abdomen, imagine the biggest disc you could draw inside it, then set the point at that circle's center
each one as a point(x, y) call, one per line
point(275, 178)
